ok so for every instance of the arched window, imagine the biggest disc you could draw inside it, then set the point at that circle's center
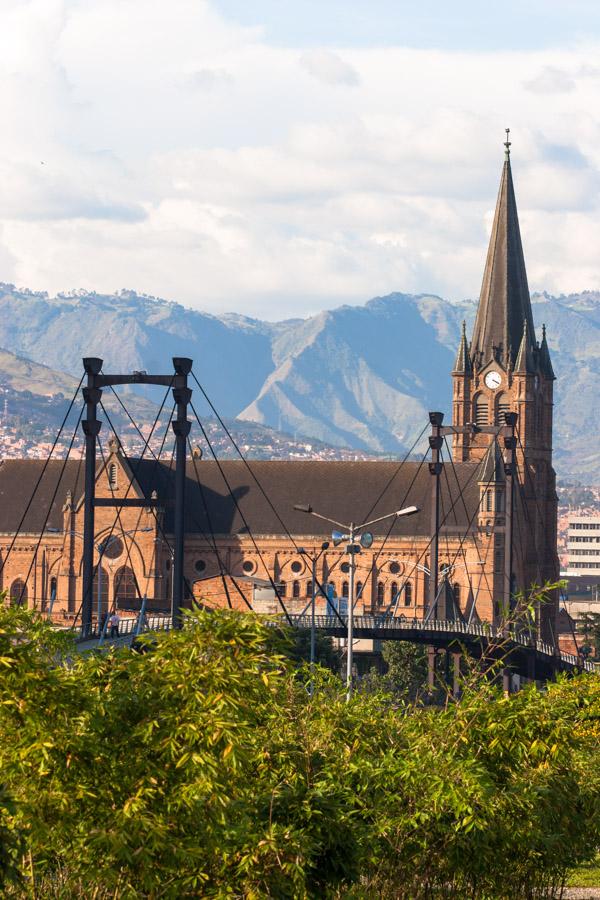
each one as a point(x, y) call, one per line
point(295, 589)
point(380, 590)
point(488, 501)
point(282, 588)
point(53, 588)
point(18, 593)
point(309, 588)
point(393, 591)
point(480, 410)
point(408, 594)
point(345, 589)
point(124, 588)
point(502, 407)
point(113, 481)
point(359, 590)
point(102, 575)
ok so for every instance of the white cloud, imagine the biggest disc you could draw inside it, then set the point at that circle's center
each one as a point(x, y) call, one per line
point(551, 81)
point(184, 156)
point(328, 67)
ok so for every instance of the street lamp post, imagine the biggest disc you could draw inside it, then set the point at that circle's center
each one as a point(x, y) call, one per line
point(350, 533)
point(313, 595)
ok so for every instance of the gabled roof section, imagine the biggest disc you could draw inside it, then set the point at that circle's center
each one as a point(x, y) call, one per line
point(129, 485)
point(491, 469)
point(504, 302)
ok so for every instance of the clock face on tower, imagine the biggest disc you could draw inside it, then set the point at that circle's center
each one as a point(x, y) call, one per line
point(493, 380)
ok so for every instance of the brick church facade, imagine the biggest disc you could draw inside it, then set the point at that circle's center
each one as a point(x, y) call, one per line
point(239, 522)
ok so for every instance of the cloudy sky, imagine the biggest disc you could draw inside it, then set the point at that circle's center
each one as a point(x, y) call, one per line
point(276, 157)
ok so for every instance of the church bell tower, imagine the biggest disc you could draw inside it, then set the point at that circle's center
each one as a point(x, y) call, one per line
point(505, 369)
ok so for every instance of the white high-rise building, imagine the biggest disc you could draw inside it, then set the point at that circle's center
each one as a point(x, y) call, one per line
point(583, 545)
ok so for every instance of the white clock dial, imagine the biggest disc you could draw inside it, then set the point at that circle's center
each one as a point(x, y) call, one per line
point(493, 380)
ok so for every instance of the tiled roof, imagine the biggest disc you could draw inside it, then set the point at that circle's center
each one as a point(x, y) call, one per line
point(344, 491)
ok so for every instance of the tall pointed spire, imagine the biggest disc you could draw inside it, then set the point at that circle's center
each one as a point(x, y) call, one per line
point(524, 363)
point(504, 302)
point(545, 361)
point(463, 366)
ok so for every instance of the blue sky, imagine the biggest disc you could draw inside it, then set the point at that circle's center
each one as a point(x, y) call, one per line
point(424, 24)
point(278, 158)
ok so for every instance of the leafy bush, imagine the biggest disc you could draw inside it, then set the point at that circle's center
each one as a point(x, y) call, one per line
point(205, 768)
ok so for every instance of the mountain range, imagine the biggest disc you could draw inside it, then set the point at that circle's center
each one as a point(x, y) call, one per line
point(359, 377)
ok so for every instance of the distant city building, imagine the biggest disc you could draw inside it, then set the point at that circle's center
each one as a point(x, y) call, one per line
point(581, 595)
point(583, 545)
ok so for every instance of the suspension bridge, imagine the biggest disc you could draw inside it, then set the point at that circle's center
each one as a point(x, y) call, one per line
point(166, 505)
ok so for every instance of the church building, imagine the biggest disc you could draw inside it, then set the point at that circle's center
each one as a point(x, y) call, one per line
point(243, 534)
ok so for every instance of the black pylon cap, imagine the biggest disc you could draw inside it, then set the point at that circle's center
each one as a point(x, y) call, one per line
point(92, 365)
point(182, 365)
point(436, 418)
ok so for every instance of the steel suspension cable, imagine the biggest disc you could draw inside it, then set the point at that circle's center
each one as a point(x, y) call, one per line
point(49, 510)
point(157, 459)
point(240, 512)
point(134, 476)
point(464, 488)
point(245, 461)
point(371, 570)
point(455, 473)
point(222, 569)
point(41, 475)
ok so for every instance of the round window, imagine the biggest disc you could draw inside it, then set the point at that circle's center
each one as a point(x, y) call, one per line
point(199, 565)
point(248, 566)
point(296, 566)
point(394, 568)
point(112, 547)
point(345, 567)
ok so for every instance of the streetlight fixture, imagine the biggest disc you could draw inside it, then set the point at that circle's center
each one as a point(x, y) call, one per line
point(314, 558)
point(351, 533)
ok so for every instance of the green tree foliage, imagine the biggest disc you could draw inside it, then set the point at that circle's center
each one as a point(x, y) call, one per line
point(204, 768)
point(326, 654)
point(406, 664)
point(589, 627)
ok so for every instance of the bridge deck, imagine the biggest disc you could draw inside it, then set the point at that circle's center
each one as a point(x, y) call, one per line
point(478, 640)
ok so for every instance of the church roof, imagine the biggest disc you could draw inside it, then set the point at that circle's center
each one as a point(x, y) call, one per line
point(504, 302)
point(345, 491)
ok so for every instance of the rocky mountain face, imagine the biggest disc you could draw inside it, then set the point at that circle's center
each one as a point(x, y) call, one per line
point(361, 376)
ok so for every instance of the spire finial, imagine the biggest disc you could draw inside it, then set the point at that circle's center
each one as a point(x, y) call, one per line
point(544, 331)
point(507, 144)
